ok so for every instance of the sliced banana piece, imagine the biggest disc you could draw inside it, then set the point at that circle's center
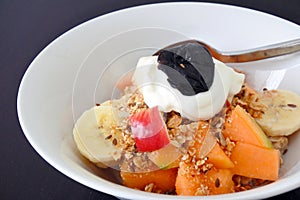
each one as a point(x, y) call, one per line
point(282, 114)
point(90, 134)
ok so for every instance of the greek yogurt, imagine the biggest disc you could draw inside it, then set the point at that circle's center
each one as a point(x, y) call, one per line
point(157, 91)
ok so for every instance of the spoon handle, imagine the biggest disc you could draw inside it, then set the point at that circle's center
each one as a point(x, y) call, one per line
point(259, 53)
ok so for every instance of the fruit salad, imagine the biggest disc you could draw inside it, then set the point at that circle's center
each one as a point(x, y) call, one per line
point(187, 124)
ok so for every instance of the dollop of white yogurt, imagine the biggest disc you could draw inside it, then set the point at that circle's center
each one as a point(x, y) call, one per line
point(157, 91)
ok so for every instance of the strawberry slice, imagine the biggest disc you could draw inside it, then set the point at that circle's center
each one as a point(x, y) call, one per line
point(149, 130)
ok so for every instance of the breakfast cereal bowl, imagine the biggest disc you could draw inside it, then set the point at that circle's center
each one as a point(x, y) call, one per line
point(80, 69)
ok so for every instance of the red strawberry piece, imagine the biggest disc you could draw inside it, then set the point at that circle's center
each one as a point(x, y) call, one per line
point(149, 130)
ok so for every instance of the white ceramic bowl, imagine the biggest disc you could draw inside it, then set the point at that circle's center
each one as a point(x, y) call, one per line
point(80, 67)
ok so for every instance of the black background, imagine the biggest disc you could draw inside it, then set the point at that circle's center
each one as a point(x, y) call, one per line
point(26, 27)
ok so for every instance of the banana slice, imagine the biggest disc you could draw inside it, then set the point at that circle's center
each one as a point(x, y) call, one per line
point(282, 114)
point(90, 134)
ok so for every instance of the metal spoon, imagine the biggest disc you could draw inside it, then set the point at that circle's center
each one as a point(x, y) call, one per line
point(254, 54)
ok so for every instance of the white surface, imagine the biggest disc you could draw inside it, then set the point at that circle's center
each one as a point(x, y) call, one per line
point(65, 78)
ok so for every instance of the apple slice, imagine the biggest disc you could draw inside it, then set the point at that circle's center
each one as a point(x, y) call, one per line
point(149, 130)
point(166, 157)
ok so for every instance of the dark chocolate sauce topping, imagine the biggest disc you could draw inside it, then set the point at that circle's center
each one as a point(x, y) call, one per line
point(189, 67)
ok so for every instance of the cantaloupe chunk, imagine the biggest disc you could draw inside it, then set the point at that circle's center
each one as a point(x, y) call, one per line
point(164, 180)
point(215, 181)
point(255, 162)
point(241, 127)
point(219, 159)
point(216, 155)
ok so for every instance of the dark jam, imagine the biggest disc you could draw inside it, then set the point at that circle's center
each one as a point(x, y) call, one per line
point(189, 67)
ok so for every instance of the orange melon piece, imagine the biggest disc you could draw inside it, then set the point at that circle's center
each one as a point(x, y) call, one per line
point(218, 158)
point(255, 162)
point(164, 180)
point(216, 155)
point(215, 181)
point(241, 127)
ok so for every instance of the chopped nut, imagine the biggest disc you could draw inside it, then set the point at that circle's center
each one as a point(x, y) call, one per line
point(192, 151)
point(228, 147)
point(200, 162)
point(149, 187)
point(185, 157)
point(202, 190)
point(173, 120)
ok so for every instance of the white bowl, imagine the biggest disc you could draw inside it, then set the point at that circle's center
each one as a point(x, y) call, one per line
point(68, 77)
